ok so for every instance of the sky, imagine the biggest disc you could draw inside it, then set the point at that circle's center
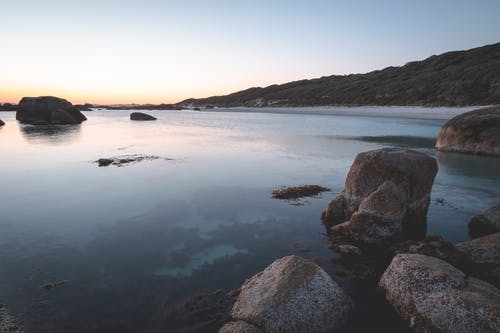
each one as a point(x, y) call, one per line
point(152, 51)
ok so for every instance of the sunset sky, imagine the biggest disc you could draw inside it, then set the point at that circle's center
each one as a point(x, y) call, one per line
point(138, 51)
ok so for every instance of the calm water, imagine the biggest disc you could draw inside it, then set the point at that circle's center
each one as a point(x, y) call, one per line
point(132, 242)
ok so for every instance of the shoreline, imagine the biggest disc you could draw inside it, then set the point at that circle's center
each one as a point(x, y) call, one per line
point(409, 112)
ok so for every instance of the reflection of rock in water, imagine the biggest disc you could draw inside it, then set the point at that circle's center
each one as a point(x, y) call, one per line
point(397, 140)
point(469, 165)
point(55, 134)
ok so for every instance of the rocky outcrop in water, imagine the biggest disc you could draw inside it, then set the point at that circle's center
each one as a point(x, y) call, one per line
point(483, 256)
point(141, 116)
point(474, 132)
point(386, 197)
point(291, 295)
point(434, 296)
point(8, 107)
point(48, 110)
point(486, 222)
point(1, 123)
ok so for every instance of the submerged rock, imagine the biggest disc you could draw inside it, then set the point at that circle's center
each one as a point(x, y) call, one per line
point(123, 160)
point(48, 110)
point(386, 197)
point(433, 246)
point(434, 296)
point(291, 295)
point(474, 132)
point(483, 255)
point(297, 192)
point(8, 323)
point(485, 223)
point(141, 116)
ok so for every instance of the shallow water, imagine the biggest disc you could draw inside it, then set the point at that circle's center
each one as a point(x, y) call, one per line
point(131, 242)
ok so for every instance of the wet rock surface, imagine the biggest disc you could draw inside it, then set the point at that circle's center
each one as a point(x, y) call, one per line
point(386, 197)
point(292, 295)
point(483, 257)
point(434, 296)
point(474, 132)
point(486, 222)
point(48, 110)
point(141, 116)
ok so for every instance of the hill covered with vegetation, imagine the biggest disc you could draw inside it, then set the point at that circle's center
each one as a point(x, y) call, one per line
point(458, 78)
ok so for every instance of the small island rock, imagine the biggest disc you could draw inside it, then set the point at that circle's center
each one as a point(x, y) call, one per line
point(434, 296)
point(386, 197)
point(48, 110)
point(474, 132)
point(141, 116)
point(486, 222)
point(291, 295)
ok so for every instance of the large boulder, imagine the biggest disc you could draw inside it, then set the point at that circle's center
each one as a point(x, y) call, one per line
point(291, 295)
point(141, 116)
point(483, 256)
point(434, 296)
point(474, 132)
point(48, 110)
point(486, 222)
point(386, 197)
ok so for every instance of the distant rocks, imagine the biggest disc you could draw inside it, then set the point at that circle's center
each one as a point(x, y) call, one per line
point(386, 197)
point(141, 116)
point(474, 132)
point(434, 296)
point(124, 160)
point(48, 110)
point(8, 107)
point(84, 107)
point(485, 223)
point(291, 295)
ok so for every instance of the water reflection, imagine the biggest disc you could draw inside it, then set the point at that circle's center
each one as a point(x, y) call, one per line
point(396, 140)
point(53, 134)
point(485, 167)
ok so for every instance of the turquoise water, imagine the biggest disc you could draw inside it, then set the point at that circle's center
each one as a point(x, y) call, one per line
point(132, 241)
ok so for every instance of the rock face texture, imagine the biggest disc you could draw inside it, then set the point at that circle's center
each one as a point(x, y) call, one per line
point(474, 132)
point(48, 110)
point(434, 296)
point(291, 295)
point(386, 197)
point(141, 116)
point(483, 256)
point(485, 223)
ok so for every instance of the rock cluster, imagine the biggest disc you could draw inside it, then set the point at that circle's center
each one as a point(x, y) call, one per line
point(386, 197)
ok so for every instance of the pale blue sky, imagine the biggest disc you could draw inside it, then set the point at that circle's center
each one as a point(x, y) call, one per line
point(165, 51)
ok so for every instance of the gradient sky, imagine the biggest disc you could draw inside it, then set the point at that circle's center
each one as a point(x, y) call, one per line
point(126, 51)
